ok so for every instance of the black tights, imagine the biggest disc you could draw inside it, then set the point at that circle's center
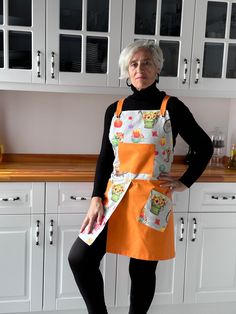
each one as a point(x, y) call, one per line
point(84, 261)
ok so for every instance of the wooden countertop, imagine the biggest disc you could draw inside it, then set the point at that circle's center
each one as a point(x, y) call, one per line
point(72, 168)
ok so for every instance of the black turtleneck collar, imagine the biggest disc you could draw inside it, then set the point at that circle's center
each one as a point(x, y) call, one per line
point(149, 93)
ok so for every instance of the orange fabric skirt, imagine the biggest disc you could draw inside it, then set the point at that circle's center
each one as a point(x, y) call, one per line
point(127, 236)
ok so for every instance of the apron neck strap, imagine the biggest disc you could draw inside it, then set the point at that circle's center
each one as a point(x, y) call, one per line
point(163, 105)
point(162, 109)
point(119, 107)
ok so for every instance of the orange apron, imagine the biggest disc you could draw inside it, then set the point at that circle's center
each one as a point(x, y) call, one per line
point(139, 210)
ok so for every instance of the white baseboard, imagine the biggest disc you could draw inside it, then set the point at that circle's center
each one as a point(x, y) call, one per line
point(216, 308)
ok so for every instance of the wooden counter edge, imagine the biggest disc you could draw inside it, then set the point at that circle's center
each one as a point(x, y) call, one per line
point(78, 168)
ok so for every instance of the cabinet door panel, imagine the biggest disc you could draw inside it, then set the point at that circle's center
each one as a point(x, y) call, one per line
point(211, 258)
point(60, 290)
point(22, 41)
point(169, 23)
point(91, 29)
point(169, 274)
point(213, 67)
point(21, 263)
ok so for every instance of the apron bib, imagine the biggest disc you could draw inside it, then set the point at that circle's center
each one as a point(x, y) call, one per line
point(139, 210)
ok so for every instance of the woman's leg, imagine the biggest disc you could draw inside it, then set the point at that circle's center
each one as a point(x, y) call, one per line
point(84, 261)
point(143, 283)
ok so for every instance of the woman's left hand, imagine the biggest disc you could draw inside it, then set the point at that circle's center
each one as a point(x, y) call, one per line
point(171, 183)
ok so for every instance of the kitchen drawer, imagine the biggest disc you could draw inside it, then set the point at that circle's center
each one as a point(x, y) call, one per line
point(213, 197)
point(180, 201)
point(68, 197)
point(21, 198)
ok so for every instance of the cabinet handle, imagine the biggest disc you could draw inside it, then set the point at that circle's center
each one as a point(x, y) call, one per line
point(194, 229)
point(37, 232)
point(9, 199)
point(52, 65)
point(197, 71)
point(181, 229)
point(223, 197)
point(51, 232)
point(38, 64)
point(78, 198)
point(185, 70)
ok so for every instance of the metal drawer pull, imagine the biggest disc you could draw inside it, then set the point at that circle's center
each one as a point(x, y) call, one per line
point(197, 71)
point(38, 64)
point(78, 198)
point(185, 70)
point(223, 197)
point(181, 229)
point(51, 232)
point(52, 65)
point(37, 232)
point(194, 229)
point(9, 199)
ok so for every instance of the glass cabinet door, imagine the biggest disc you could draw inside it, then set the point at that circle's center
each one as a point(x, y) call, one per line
point(22, 40)
point(82, 41)
point(168, 23)
point(214, 48)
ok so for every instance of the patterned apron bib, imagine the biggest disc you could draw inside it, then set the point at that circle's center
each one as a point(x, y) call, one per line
point(135, 204)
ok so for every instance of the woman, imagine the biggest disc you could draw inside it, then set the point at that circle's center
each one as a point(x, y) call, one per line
point(130, 211)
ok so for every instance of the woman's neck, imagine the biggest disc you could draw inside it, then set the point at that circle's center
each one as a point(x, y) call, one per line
point(146, 93)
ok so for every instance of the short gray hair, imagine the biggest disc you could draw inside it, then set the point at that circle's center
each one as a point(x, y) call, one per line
point(128, 52)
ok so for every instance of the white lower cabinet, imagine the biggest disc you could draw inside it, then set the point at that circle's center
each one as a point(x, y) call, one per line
point(211, 258)
point(21, 246)
point(204, 270)
point(35, 240)
point(66, 205)
point(40, 221)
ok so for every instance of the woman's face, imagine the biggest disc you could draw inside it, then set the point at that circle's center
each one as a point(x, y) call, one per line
point(142, 70)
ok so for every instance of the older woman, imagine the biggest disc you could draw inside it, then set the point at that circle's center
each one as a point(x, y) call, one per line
point(130, 211)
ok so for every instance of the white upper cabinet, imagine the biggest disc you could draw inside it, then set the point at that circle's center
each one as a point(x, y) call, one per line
point(198, 39)
point(22, 41)
point(170, 24)
point(83, 42)
point(214, 46)
point(73, 45)
point(80, 45)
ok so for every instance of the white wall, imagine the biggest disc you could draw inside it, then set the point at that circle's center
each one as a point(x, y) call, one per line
point(37, 122)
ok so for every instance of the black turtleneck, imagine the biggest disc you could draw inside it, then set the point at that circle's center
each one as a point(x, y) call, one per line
point(182, 122)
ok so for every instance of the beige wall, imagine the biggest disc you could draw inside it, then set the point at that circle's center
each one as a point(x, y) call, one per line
point(38, 122)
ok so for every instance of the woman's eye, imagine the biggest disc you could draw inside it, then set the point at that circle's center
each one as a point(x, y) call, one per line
point(147, 63)
point(133, 64)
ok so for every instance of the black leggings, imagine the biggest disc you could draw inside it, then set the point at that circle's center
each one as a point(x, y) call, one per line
point(85, 260)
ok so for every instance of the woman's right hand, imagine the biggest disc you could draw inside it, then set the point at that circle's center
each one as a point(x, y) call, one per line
point(95, 213)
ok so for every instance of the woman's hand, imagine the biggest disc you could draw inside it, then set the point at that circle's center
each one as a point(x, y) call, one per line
point(95, 213)
point(171, 183)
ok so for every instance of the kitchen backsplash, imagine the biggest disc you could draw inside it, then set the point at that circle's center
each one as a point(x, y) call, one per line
point(37, 122)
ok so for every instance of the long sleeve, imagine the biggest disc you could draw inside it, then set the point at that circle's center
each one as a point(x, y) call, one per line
point(106, 157)
point(185, 124)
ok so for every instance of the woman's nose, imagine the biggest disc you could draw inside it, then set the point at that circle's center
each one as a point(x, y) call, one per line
point(140, 67)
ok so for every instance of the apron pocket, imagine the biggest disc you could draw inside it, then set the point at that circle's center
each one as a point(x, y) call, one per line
point(156, 211)
point(136, 158)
